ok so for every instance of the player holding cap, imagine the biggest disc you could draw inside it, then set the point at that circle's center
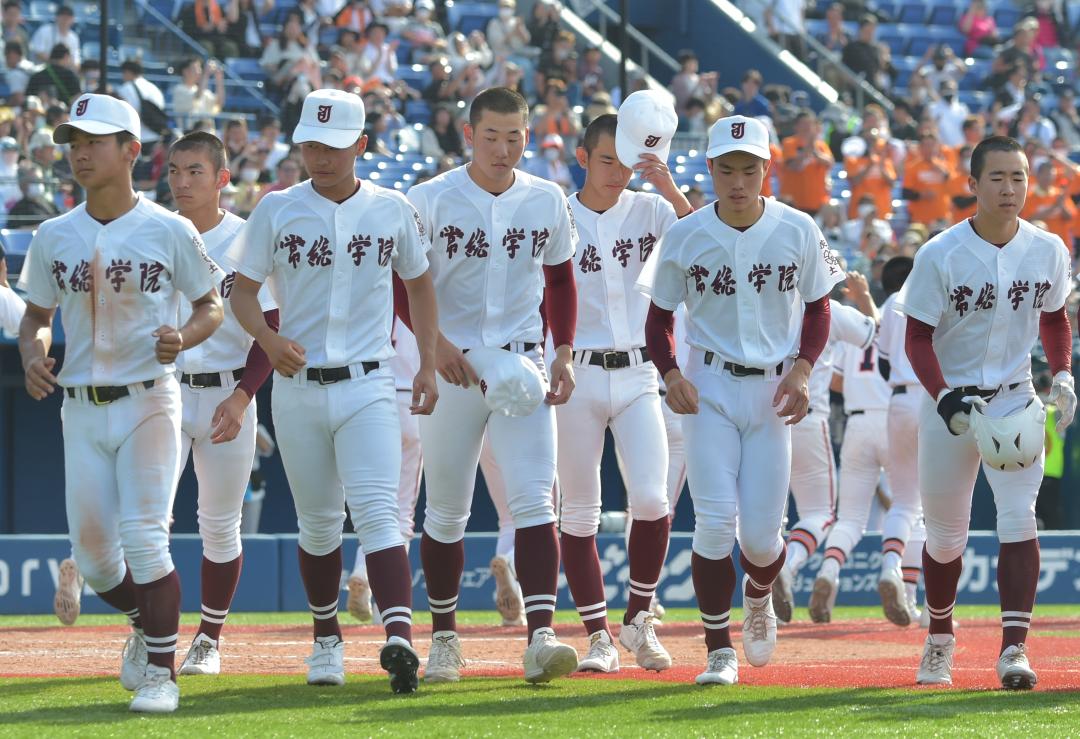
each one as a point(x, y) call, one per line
point(116, 266)
point(617, 385)
point(499, 238)
point(742, 266)
point(979, 295)
point(327, 247)
point(218, 382)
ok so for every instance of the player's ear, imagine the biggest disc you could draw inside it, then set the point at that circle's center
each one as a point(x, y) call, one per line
point(582, 157)
point(224, 177)
point(361, 145)
point(467, 129)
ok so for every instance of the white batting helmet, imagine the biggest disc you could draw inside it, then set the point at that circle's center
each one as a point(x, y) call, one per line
point(1013, 442)
point(512, 384)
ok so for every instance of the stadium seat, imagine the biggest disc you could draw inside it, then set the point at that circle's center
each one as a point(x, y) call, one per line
point(944, 15)
point(1006, 17)
point(895, 40)
point(886, 9)
point(912, 13)
point(469, 17)
point(417, 111)
point(246, 69)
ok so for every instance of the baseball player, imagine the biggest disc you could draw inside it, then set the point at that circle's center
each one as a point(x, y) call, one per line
point(617, 386)
point(979, 295)
point(743, 266)
point(116, 266)
point(499, 238)
point(813, 467)
point(218, 382)
point(327, 247)
point(903, 534)
point(508, 601)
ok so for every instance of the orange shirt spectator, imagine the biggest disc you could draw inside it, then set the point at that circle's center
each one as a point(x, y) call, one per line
point(926, 184)
point(963, 202)
point(804, 180)
point(1052, 205)
point(776, 166)
point(871, 174)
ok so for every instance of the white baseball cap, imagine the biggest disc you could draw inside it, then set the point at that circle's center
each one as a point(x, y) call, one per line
point(738, 133)
point(331, 117)
point(647, 123)
point(99, 115)
point(512, 384)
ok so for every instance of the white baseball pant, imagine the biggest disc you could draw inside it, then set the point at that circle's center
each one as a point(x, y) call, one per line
point(676, 445)
point(496, 487)
point(121, 461)
point(903, 467)
point(863, 453)
point(813, 478)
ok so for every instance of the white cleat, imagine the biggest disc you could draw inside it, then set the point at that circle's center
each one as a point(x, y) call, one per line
point(359, 602)
point(1013, 669)
point(203, 658)
point(547, 658)
point(68, 599)
point(508, 599)
point(823, 598)
point(758, 630)
point(894, 597)
point(602, 655)
point(639, 637)
point(783, 596)
point(133, 661)
point(937, 661)
point(722, 668)
point(158, 693)
point(326, 665)
point(658, 611)
point(444, 661)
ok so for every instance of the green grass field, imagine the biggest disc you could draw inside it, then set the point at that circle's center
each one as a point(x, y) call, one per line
point(248, 705)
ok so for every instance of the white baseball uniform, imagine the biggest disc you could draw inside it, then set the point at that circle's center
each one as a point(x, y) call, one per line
point(676, 443)
point(114, 285)
point(617, 386)
point(487, 255)
point(12, 309)
point(743, 292)
point(985, 303)
point(222, 470)
point(328, 266)
point(813, 467)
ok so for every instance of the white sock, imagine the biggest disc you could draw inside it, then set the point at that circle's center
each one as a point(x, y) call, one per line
point(360, 567)
point(910, 588)
point(796, 556)
point(830, 568)
point(941, 639)
point(890, 561)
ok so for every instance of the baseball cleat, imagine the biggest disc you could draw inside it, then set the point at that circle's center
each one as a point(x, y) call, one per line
point(547, 658)
point(508, 599)
point(602, 655)
point(1013, 669)
point(444, 661)
point(657, 609)
point(203, 657)
point(639, 637)
point(133, 661)
point(359, 598)
point(326, 665)
point(937, 661)
point(894, 597)
point(158, 693)
point(67, 601)
point(783, 597)
point(722, 668)
point(400, 660)
point(759, 630)
point(822, 599)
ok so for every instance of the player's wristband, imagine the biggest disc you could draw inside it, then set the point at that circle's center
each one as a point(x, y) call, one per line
point(951, 403)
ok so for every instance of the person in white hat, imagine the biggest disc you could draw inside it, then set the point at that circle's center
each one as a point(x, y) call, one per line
point(619, 230)
point(116, 266)
point(751, 272)
point(328, 247)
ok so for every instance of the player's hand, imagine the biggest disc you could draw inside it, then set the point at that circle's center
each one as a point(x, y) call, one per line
point(3, 272)
point(40, 381)
point(285, 355)
point(425, 392)
point(855, 286)
point(1063, 395)
point(229, 417)
point(794, 392)
point(682, 396)
point(169, 343)
point(656, 173)
point(955, 411)
point(562, 376)
point(452, 365)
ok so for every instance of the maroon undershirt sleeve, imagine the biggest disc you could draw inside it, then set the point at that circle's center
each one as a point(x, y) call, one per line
point(660, 338)
point(401, 301)
point(258, 368)
point(815, 330)
point(560, 299)
point(919, 345)
point(1056, 335)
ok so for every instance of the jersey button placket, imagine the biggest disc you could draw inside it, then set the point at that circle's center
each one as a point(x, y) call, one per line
point(340, 268)
point(612, 272)
point(497, 275)
point(746, 310)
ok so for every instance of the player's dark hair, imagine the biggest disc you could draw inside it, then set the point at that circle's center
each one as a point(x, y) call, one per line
point(599, 126)
point(895, 273)
point(205, 142)
point(500, 100)
point(984, 147)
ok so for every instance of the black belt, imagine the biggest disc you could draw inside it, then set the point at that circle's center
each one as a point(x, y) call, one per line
point(740, 371)
point(900, 390)
point(529, 346)
point(855, 413)
point(617, 360)
point(105, 394)
point(984, 394)
point(208, 379)
point(330, 375)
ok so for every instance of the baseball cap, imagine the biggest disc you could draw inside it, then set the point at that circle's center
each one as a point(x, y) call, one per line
point(646, 125)
point(511, 384)
point(331, 117)
point(738, 133)
point(98, 115)
point(40, 138)
point(7, 143)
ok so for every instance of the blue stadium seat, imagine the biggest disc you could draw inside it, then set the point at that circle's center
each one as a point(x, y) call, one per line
point(328, 35)
point(896, 40)
point(912, 13)
point(41, 11)
point(416, 76)
point(469, 17)
point(247, 69)
point(1006, 17)
point(944, 15)
point(16, 241)
point(886, 9)
point(417, 111)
